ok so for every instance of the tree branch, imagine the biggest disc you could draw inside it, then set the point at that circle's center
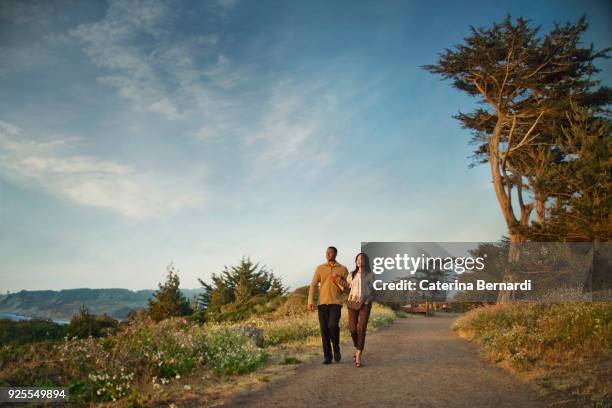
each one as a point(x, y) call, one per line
point(524, 141)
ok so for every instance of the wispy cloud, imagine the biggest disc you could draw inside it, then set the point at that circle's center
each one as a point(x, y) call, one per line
point(279, 121)
point(294, 129)
point(40, 37)
point(223, 7)
point(303, 121)
point(152, 64)
point(111, 44)
point(87, 180)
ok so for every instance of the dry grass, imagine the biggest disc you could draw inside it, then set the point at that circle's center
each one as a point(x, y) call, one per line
point(565, 348)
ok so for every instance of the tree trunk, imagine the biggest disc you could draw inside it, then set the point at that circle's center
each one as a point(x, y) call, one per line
point(503, 192)
point(540, 208)
point(514, 255)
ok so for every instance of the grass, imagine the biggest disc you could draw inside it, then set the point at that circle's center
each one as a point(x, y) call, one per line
point(565, 347)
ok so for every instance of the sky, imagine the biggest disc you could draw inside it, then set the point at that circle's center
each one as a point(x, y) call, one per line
point(138, 134)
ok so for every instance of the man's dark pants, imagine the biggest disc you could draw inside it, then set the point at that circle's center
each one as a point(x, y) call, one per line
point(329, 320)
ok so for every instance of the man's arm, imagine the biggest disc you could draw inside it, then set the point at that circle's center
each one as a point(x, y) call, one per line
point(313, 284)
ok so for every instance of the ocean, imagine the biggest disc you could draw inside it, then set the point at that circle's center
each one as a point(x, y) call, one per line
point(16, 317)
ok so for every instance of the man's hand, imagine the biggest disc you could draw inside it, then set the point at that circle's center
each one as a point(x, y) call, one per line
point(311, 307)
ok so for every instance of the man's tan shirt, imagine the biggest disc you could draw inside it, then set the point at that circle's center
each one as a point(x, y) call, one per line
point(329, 294)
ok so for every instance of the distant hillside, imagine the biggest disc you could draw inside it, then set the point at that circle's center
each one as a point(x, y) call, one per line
point(63, 304)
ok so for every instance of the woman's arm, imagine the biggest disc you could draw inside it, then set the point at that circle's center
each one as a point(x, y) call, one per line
point(340, 282)
point(370, 284)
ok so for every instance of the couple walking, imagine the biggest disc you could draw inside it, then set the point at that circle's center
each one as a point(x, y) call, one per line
point(333, 280)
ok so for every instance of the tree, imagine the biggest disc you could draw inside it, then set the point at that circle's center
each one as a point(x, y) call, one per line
point(526, 85)
point(168, 300)
point(237, 289)
point(581, 184)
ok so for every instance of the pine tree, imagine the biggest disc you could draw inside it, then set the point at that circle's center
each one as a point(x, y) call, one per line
point(238, 288)
point(168, 300)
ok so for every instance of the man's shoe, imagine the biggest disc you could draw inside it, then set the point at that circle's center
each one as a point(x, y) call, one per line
point(327, 361)
point(337, 356)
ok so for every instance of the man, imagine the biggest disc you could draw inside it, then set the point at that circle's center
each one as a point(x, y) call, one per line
point(330, 303)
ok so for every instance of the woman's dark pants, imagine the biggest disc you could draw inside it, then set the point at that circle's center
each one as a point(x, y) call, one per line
point(358, 322)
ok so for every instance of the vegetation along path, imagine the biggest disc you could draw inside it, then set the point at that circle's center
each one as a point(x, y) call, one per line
point(416, 362)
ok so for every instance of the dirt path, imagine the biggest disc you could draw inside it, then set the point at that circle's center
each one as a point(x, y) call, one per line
point(416, 362)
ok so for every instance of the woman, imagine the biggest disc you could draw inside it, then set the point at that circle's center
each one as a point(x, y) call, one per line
point(361, 285)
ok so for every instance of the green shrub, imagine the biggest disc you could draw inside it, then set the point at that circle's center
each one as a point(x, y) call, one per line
point(83, 324)
point(28, 331)
point(231, 352)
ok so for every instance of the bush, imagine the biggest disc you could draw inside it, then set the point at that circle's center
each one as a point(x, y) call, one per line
point(565, 347)
point(102, 369)
point(28, 331)
point(525, 333)
point(83, 324)
point(231, 352)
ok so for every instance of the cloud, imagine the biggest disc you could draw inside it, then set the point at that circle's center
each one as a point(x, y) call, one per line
point(300, 124)
point(223, 7)
point(111, 44)
point(87, 180)
point(152, 63)
point(227, 4)
point(279, 121)
point(31, 35)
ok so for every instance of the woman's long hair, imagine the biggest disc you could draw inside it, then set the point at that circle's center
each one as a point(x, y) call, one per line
point(365, 264)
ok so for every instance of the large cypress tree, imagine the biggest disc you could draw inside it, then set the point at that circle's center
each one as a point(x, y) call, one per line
point(526, 84)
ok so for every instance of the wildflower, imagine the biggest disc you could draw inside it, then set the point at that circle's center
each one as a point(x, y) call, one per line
point(178, 376)
point(187, 387)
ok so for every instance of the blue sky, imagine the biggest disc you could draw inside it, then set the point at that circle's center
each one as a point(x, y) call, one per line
point(135, 134)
